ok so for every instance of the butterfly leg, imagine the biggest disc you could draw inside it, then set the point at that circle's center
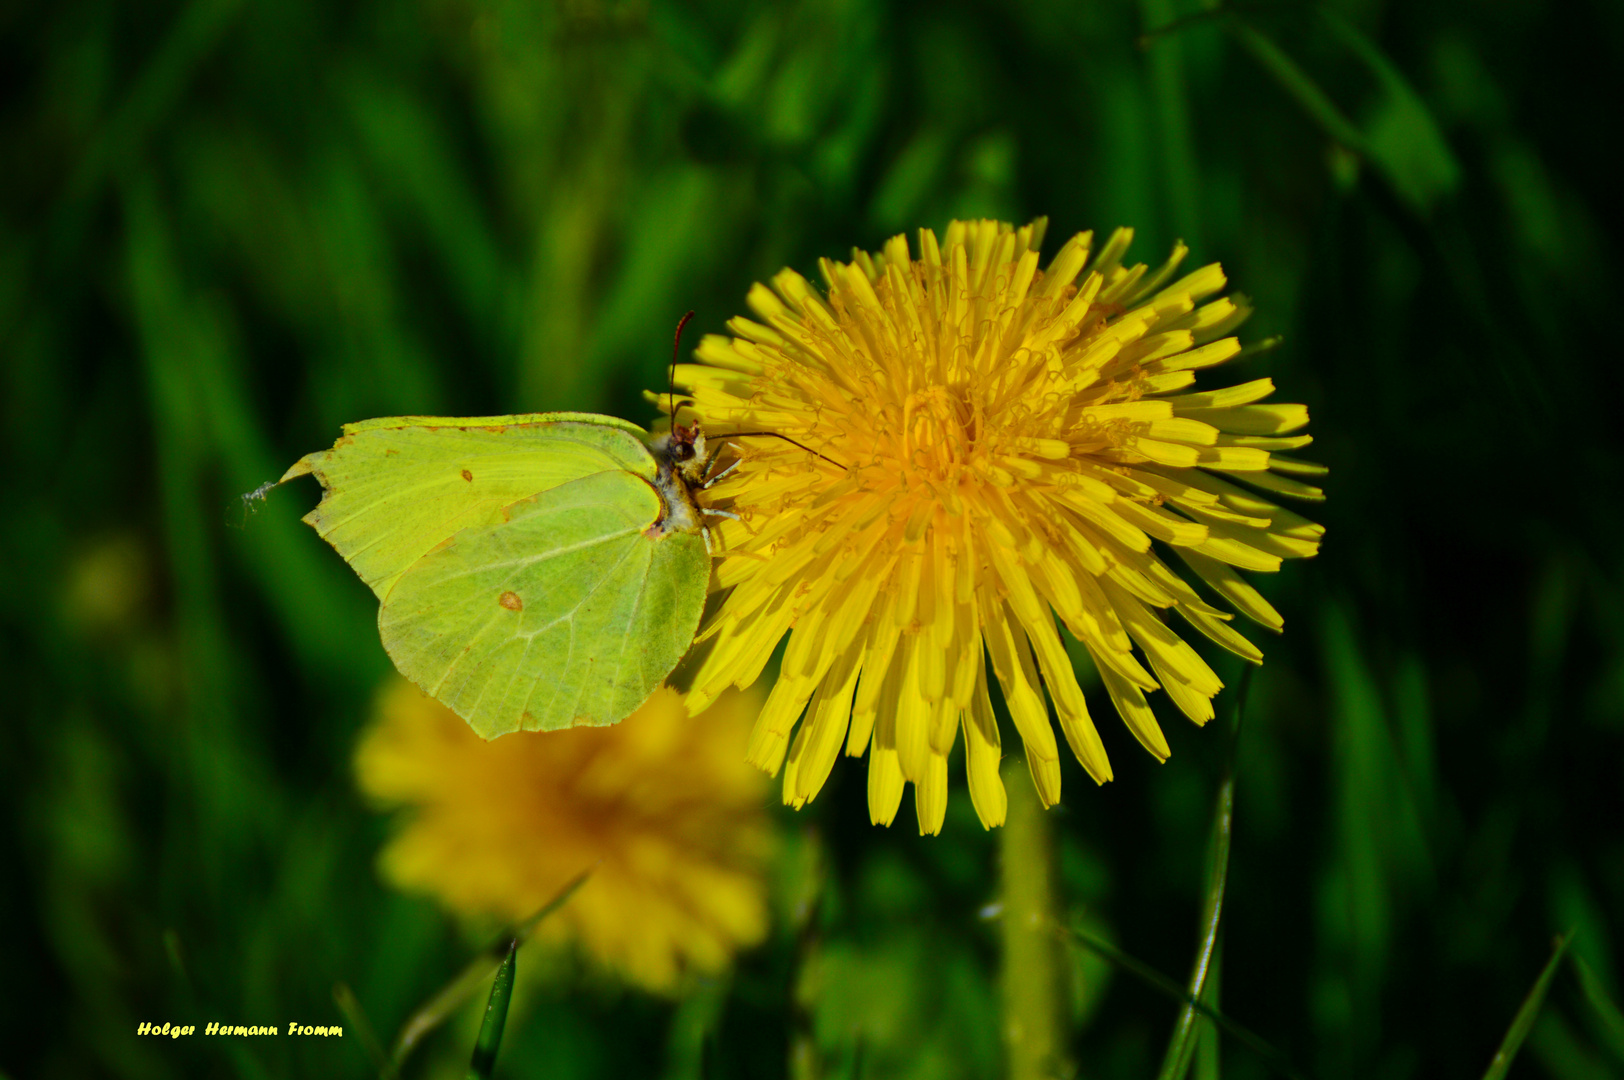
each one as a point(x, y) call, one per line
point(715, 513)
point(719, 477)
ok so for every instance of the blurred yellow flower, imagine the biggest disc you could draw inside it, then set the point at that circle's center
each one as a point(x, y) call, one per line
point(661, 807)
point(997, 445)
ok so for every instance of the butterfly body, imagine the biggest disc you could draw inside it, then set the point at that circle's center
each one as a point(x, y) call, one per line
point(533, 572)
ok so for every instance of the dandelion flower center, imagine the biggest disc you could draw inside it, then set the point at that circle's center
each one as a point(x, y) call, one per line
point(994, 449)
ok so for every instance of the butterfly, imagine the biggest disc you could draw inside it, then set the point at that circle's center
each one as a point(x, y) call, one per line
point(533, 572)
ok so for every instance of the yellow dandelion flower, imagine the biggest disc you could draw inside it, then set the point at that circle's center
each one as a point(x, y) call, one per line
point(660, 807)
point(994, 445)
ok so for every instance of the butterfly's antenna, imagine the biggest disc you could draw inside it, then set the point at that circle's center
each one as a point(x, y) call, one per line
point(251, 501)
point(671, 384)
point(786, 438)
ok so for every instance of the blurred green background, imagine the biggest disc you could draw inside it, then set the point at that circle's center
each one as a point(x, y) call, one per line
point(229, 226)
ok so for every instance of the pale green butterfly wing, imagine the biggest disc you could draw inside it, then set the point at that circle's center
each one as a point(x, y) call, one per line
point(394, 488)
point(564, 614)
point(555, 508)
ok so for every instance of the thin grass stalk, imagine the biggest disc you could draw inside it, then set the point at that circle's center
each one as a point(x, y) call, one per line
point(1612, 1019)
point(354, 1015)
point(1523, 1022)
point(1181, 1048)
point(434, 1012)
point(1169, 986)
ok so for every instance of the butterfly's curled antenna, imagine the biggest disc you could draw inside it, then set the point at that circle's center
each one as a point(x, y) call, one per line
point(671, 383)
point(252, 500)
point(786, 438)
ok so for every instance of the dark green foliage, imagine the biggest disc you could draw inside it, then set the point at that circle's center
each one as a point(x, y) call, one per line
point(228, 226)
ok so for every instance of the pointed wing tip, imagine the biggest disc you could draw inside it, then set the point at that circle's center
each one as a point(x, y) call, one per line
point(299, 468)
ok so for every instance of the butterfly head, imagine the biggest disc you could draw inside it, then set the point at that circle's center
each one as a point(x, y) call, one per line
point(686, 448)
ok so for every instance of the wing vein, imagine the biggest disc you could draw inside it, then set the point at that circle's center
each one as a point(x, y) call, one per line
point(570, 618)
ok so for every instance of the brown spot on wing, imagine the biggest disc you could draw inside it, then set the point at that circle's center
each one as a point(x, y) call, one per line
point(511, 601)
point(391, 452)
point(468, 476)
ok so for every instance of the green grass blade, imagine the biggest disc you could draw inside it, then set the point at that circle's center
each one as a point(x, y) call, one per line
point(1168, 86)
point(1409, 186)
point(1297, 83)
point(434, 1012)
point(143, 106)
point(1213, 13)
point(1607, 1011)
point(1405, 134)
point(1523, 1022)
point(496, 1010)
point(1181, 1049)
point(1158, 981)
point(350, 1006)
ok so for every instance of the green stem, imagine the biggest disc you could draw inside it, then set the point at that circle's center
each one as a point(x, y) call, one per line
point(496, 1010)
point(1034, 1033)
